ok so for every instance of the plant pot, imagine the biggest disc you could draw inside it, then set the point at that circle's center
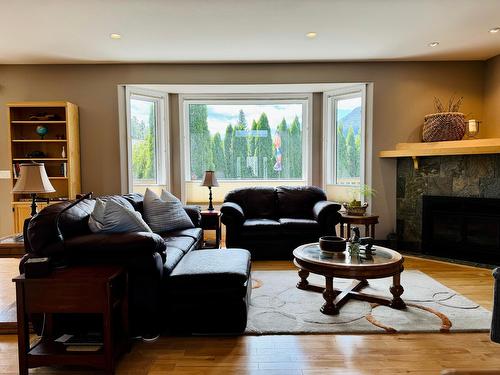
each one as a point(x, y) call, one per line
point(355, 210)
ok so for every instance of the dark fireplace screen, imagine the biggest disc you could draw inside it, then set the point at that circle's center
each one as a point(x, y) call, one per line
point(462, 228)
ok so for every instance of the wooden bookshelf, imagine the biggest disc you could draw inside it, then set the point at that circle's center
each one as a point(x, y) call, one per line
point(62, 131)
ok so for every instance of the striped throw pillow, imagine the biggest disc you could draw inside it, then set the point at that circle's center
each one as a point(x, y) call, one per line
point(165, 213)
point(112, 216)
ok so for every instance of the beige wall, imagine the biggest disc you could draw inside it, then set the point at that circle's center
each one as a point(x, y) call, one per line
point(491, 123)
point(403, 93)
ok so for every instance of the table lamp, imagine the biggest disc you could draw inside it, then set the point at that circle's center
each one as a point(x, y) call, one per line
point(209, 180)
point(33, 180)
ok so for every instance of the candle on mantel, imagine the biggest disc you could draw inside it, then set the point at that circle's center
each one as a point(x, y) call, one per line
point(472, 128)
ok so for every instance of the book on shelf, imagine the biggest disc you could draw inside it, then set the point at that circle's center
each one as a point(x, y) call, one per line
point(64, 169)
point(15, 170)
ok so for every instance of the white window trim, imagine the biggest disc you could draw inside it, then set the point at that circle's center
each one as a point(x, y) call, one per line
point(301, 98)
point(329, 133)
point(162, 136)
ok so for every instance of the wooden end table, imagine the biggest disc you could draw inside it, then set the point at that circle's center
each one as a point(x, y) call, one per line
point(83, 290)
point(384, 263)
point(369, 221)
point(210, 220)
point(11, 247)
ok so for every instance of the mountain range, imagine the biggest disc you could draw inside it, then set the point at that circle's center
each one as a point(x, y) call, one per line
point(352, 119)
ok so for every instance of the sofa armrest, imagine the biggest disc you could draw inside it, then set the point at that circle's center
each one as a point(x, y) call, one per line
point(232, 214)
point(327, 214)
point(116, 245)
point(194, 213)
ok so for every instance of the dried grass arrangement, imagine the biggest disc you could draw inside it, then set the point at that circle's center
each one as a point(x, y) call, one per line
point(447, 124)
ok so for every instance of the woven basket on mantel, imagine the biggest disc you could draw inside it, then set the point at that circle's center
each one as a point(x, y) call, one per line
point(445, 126)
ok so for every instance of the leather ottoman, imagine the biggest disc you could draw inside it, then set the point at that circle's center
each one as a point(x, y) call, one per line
point(209, 292)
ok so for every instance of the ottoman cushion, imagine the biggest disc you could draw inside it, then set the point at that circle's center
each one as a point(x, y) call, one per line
point(206, 269)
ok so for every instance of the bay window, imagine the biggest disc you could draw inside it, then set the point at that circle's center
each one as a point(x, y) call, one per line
point(246, 141)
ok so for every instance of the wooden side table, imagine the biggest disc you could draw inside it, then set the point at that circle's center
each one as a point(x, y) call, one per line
point(10, 247)
point(83, 290)
point(210, 220)
point(368, 221)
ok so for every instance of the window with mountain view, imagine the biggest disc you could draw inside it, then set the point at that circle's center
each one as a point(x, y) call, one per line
point(348, 123)
point(248, 141)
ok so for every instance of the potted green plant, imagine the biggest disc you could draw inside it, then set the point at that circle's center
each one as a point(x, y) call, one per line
point(355, 207)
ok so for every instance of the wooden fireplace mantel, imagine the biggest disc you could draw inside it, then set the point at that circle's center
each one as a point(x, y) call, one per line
point(464, 147)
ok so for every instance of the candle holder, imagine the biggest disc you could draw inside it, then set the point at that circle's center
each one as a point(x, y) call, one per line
point(472, 128)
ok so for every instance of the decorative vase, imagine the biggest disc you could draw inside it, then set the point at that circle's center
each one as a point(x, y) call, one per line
point(41, 130)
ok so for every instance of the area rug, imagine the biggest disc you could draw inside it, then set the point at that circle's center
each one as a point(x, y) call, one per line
point(278, 307)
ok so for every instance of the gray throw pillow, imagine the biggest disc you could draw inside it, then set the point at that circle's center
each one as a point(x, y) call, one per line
point(165, 213)
point(97, 216)
point(116, 216)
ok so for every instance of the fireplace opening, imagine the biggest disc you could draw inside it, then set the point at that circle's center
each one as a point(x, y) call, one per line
point(462, 228)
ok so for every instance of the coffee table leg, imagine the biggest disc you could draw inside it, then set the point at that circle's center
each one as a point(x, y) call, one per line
point(329, 295)
point(396, 291)
point(303, 283)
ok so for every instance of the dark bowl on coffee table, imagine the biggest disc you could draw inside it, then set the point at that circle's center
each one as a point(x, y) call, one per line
point(332, 244)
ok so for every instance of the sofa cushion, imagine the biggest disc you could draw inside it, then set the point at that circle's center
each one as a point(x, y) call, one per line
point(96, 219)
point(256, 202)
point(298, 201)
point(164, 213)
point(206, 269)
point(305, 224)
point(174, 255)
point(184, 243)
point(195, 233)
point(261, 225)
point(112, 216)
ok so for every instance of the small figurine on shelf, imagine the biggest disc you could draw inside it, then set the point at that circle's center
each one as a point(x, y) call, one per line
point(63, 152)
point(353, 245)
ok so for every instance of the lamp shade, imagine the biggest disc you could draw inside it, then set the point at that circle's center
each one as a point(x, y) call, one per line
point(33, 179)
point(209, 179)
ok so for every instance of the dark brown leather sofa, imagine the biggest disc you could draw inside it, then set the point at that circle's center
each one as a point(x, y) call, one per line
point(150, 259)
point(271, 222)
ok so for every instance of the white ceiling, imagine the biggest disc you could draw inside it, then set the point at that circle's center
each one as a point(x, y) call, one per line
point(71, 31)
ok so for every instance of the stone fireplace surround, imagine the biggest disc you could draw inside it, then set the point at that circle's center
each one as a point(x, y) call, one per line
point(475, 176)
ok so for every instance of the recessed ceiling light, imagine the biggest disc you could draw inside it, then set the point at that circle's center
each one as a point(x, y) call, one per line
point(312, 34)
point(494, 30)
point(434, 44)
point(115, 36)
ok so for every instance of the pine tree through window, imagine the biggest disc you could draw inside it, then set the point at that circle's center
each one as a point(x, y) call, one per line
point(246, 141)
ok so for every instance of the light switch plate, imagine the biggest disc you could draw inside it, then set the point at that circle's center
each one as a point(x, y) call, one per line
point(5, 175)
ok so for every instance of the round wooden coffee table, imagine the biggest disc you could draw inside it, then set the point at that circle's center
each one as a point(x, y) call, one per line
point(384, 263)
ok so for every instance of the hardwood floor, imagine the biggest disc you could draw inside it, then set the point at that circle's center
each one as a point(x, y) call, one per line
point(311, 354)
